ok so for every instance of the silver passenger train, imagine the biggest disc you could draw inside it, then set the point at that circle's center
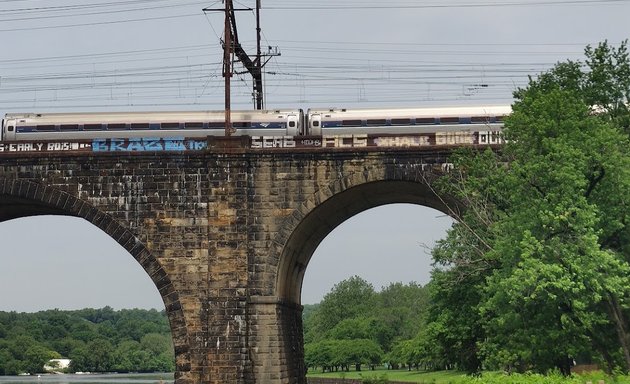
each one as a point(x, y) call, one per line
point(290, 122)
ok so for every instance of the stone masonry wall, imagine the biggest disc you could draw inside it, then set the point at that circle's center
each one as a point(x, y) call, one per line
point(226, 237)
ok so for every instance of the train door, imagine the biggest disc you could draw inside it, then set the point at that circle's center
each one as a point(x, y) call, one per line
point(315, 124)
point(8, 130)
point(293, 124)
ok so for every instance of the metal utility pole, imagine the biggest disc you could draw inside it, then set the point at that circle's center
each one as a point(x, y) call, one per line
point(227, 67)
point(258, 91)
point(231, 45)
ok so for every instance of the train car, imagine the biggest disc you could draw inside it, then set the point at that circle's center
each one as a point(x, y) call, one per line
point(53, 126)
point(404, 120)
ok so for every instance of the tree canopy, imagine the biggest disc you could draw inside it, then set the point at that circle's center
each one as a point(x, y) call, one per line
point(354, 325)
point(535, 274)
point(96, 340)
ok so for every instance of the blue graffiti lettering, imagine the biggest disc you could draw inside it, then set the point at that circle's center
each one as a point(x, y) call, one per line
point(153, 144)
point(147, 144)
point(100, 145)
point(174, 144)
point(117, 145)
point(136, 144)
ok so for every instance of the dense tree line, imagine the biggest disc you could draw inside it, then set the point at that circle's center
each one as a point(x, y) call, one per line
point(356, 326)
point(96, 340)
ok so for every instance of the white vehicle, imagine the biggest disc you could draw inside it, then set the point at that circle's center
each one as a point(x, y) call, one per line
point(52, 126)
point(292, 122)
point(404, 120)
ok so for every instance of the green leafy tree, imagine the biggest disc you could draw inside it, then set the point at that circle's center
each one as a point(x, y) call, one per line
point(35, 357)
point(350, 298)
point(66, 345)
point(454, 327)
point(97, 356)
point(5, 356)
point(568, 178)
point(402, 308)
point(126, 356)
point(322, 354)
point(544, 241)
point(358, 352)
point(95, 340)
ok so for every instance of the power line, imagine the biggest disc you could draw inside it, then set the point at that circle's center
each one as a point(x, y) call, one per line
point(363, 5)
point(142, 19)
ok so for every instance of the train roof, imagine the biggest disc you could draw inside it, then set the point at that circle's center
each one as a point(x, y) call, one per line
point(157, 115)
point(489, 110)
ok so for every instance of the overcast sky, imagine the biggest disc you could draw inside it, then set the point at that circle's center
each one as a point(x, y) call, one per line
point(70, 55)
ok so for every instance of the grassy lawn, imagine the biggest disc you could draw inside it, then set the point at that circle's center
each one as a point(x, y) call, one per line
point(452, 377)
point(399, 375)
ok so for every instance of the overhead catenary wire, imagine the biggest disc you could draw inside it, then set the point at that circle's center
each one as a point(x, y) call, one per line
point(386, 70)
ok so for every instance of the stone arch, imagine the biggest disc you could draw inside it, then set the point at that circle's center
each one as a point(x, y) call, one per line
point(22, 198)
point(340, 200)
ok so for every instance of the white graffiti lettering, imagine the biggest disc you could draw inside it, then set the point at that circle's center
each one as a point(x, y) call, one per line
point(259, 142)
point(447, 167)
point(43, 147)
point(403, 141)
point(490, 137)
point(450, 138)
point(60, 146)
point(311, 142)
point(345, 141)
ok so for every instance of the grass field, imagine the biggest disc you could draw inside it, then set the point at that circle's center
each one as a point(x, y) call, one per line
point(452, 377)
point(400, 375)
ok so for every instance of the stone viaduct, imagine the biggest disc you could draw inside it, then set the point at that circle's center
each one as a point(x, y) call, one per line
point(225, 233)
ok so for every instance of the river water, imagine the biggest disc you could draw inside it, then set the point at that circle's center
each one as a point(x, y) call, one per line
point(109, 378)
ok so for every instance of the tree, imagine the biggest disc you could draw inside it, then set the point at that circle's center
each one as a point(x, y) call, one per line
point(402, 309)
point(358, 352)
point(568, 180)
point(95, 339)
point(350, 298)
point(462, 262)
point(322, 354)
point(97, 356)
point(35, 358)
point(544, 241)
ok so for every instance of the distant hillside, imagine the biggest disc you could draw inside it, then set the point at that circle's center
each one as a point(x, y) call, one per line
point(96, 340)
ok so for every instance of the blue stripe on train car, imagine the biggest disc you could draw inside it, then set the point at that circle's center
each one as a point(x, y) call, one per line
point(268, 125)
point(25, 128)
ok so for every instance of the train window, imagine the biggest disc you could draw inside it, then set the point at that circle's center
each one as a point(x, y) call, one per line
point(351, 123)
point(292, 124)
point(449, 120)
point(315, 123)
point(116, 126)
point(92, 127)
point(425, 120)
point(401, 121)
point(46, 128)
point(193, 124)
point(169, 125)
point(499, 119)
point(240, 124)
point(216, 124)
point(376, 122)
point(480, 119)
point(10, 128)
point(69, 127)
point(139, 125)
